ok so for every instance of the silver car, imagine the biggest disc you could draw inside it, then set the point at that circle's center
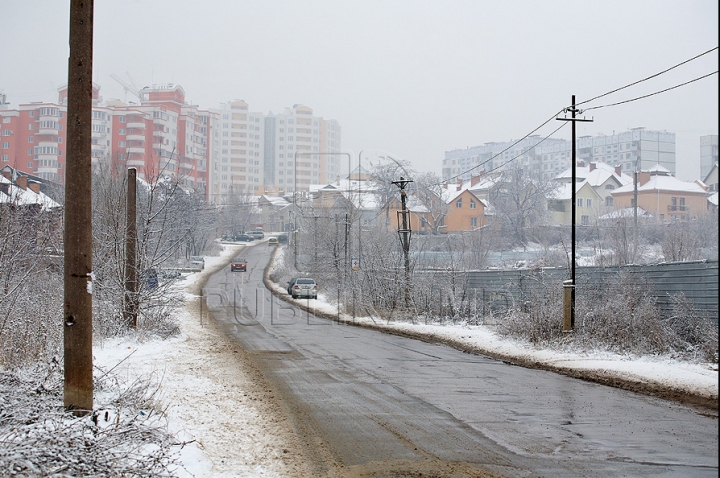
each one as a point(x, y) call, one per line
point(304, 287)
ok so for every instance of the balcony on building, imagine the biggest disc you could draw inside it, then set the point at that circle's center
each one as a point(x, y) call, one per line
point(135, 137)
point(139, 150)
point(136, 125)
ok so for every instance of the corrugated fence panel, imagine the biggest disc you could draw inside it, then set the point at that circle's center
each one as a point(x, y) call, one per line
point(698, 281)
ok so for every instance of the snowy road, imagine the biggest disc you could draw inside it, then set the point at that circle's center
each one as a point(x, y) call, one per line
point(368, 402)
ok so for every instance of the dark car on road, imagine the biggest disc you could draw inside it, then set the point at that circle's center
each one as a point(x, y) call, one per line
point(244, 238)
point(282, 239)
point(238, 264)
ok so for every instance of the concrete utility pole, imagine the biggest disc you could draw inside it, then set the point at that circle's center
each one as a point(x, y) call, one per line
point(131, 283)
point(77, 237)
point(569, 322)
point(404, 232)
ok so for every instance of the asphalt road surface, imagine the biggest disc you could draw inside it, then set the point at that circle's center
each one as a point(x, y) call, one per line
point(365, 403)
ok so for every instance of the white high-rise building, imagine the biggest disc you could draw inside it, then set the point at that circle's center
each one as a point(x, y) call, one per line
point(237, 152)
point(635, 149)
point(300, 149)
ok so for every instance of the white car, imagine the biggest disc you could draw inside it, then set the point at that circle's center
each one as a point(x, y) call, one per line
point(304, 287)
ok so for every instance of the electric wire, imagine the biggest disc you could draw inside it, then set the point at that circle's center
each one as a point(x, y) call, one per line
point(651, 94)
point(529, 149)
point(599, 107)
point(648, 78)
point(501, 152)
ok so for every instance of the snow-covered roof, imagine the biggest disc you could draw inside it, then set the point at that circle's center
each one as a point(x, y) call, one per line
point(26, 197)
point(663, 183)
point(563, 191)
point(345, 185)
point(598, 176)
point(713, 199)
point(363, 200)
point(276, 200)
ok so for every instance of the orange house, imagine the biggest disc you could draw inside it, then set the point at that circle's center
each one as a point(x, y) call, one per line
point(459, 210)
point(663, 195)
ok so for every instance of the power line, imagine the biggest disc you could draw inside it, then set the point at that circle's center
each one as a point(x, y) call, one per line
point(593, 108)
point(530, 148)
point(648, 78)
point(651, 94)
point(501, 152)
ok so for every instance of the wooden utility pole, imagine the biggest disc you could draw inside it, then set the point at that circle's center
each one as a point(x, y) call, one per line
point(573, 154)
point(77, 310)
point(131, 284)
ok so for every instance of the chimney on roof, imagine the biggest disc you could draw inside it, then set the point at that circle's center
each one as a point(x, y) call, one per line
point(21, 182)
point(475, 178)
point(593, 166)
point(8, 174)
point(34, 186)
point(643, 177)
point(618, 169)
point(580, 163)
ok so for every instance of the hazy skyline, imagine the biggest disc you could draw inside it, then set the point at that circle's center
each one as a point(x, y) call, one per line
point(412, 78)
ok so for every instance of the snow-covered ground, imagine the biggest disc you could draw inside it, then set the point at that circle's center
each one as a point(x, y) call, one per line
point(230, 424)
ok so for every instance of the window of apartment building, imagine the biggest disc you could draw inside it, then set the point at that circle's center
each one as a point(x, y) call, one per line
point(6, 132)
point(291, 121)
point(585, 220)
point(31, 139)
point(30, 164)
point(121, 131)
point(31, 126)
point(121, 144)
point(6, 119)
point(122, 119)
point(59, 140)
point(6, 145)
point(458, 204)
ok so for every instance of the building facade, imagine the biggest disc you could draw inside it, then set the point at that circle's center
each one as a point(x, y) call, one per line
point(218, 152)
point(238, 156)
point(632, 150)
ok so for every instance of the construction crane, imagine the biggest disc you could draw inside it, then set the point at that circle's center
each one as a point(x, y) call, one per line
point(128, 86)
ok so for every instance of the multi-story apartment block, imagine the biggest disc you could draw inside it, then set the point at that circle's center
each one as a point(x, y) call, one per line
point(633, 150)
point(300, 150)
point(708, 154)
point(237, 161)
point(221, 152)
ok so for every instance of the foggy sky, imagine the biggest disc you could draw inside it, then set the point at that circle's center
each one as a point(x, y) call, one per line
point(409, 77)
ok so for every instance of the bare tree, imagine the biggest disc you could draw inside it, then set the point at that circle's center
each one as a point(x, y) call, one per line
point(520, 204)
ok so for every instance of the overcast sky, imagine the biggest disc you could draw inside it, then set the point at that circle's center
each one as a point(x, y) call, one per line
point(409, 77)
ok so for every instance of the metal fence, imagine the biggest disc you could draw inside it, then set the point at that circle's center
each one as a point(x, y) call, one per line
point(698, 281)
